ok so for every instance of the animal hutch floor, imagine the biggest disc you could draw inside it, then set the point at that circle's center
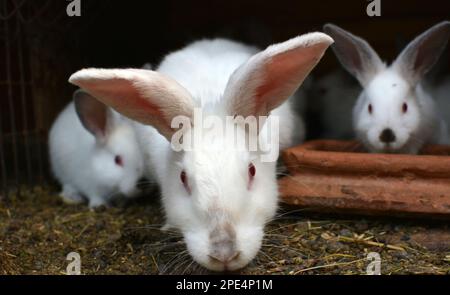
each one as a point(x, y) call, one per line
point(37, 231)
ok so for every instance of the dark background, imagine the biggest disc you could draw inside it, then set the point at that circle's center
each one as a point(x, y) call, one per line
point(119, 33)
point(40, 46)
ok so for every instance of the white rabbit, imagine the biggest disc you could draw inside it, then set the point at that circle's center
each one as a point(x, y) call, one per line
point(220, 197)
point(393, 113)
point(94, 152)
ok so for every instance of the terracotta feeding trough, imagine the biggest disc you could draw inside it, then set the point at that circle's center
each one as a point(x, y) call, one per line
point(336, 176)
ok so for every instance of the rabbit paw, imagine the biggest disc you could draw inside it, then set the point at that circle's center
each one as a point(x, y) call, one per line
point(71, 196)
point(97, 202)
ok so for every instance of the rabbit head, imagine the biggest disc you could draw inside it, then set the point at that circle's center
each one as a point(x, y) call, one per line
point(390, 114)
point(116, 156)
point(220, 197)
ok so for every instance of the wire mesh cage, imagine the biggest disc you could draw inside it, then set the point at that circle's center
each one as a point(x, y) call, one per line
point(33, 87)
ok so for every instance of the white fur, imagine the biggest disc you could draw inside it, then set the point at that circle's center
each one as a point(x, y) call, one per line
point(223, 78)
point(421, 124)
point(85, 167)
point(388, 88)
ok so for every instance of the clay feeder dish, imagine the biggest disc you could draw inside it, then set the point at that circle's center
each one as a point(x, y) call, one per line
point(337, 176)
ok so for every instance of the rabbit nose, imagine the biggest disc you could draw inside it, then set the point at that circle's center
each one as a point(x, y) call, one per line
point(387, 135)
point(224, 257)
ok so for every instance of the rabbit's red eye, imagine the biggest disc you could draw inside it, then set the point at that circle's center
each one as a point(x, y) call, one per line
point(251, 174)
point(184, 180)
point(118, 160)
point(405, 107)
point(251, 170)
point(370, 109)
point(183, 177)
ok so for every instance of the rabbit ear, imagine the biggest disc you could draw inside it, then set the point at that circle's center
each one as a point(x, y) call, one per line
point(268, 78)
point(92, 113)
point(355, 54)
point(423, 52)
point(144, 96)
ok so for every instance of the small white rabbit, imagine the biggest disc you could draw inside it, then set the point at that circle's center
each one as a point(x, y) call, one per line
point(94, 152)
point(219, 197)
point(393, 113)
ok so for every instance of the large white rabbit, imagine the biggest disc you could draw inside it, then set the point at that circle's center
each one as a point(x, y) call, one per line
point(220, 197)
point(394, 113)
point(94, 152)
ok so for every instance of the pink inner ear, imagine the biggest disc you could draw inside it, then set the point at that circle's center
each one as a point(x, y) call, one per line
point(92, 113)
point(123, 96)
point(95, 117)
point(144, 96)
point(284, 73)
